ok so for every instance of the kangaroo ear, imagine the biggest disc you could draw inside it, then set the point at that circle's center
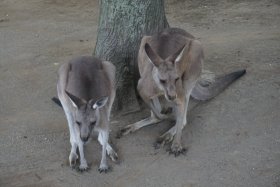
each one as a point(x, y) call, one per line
point(77, 102)
point(154, 58)
point(176, 57)
point(100, 103)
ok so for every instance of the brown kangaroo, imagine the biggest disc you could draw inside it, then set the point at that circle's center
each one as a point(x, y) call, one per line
point(170, 64)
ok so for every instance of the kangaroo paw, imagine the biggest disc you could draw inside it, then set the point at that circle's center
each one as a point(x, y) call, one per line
point(176, 149)
point(104, 169)
point(83, 167)
point(73, 157)
point(126, 130)
point(114, 156)
point(163, 140)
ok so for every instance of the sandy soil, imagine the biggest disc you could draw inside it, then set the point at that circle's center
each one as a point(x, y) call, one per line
point(233, 140)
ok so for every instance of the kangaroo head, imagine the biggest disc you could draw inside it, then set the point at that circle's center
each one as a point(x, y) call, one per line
point(167, 72)
point(86, 114)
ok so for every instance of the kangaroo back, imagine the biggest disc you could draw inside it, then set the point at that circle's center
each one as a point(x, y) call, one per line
point(87, 79)
point(169, 41)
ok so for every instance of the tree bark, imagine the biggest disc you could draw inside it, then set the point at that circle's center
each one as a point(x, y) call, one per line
point(122, 24)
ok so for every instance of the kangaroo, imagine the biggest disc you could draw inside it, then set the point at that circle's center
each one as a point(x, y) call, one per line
point(170, 64)
point(86, 91)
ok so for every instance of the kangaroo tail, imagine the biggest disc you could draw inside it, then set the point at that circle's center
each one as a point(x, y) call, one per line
point(57, 101)
point(209, 86)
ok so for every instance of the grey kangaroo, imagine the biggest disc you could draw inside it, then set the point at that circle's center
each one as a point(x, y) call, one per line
point(86, 90)
point(170, 64)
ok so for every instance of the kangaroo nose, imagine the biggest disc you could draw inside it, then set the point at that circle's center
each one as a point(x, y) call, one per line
point(171, 97)
point(84, 139)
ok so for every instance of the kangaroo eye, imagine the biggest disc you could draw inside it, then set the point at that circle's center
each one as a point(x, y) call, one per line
point(93, 123)
point(176, 79)
point(78, 123)
point(162, 81)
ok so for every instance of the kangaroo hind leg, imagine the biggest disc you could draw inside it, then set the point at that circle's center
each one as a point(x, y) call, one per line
point(110, 151)
point(153, 119)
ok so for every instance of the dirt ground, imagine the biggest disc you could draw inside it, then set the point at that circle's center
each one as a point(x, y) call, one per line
point(233, 140)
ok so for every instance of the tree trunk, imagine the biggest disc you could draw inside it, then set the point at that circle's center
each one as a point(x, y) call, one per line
point(122, 24)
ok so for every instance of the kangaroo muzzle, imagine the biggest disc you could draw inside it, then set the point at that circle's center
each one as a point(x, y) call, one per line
point(84, 134)
point(171, 93)
point(84, 138)
point(172, 97)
